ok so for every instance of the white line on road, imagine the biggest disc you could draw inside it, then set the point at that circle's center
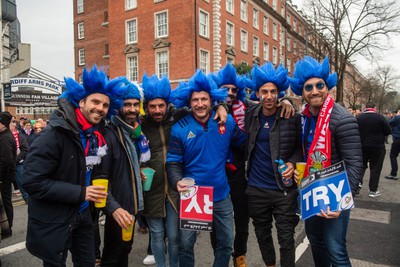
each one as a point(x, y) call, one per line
point(12, 249)
point(301, 248)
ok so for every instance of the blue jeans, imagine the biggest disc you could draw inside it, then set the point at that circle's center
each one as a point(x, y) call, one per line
point(18, 178)
point(328, 240)
point(158, 228)
point(223, 226)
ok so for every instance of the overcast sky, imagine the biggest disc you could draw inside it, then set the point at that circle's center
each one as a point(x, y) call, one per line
point(48, 26)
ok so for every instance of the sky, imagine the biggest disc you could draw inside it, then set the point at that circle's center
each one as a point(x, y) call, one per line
point(50, 34)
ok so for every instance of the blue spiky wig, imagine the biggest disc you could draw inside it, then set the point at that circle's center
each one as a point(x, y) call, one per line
point(96, 81)
point(268, 74)
point(228, 75)
point(310, 68)
point(197, 83)
point(156, 88)
point(132, 91)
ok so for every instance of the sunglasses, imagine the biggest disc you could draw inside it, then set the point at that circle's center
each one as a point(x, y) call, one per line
point(233, 89)
point(309, 87)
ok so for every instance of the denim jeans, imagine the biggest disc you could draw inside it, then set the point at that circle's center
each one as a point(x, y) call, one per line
point(18, 178)
point(169, 227)
point(223, 226)
point(328, 240)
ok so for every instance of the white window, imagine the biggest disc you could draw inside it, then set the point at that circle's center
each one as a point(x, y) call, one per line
point(289, 64)
point(256, 46)
point(274, 31)
point(255, 18)
point(266, 51)
point(243, 40)
point(266, 25)
point(81, 30)
point(294, 24)
point(274, 4)
point(131, 31)
point(229, 6)
point(81, 57)
point(79, 6)
point(204, 24)
point(243, 10)
point(295, 47)
point(161, 24)
point(162, 64)
point(288, 19)
point(274, 55)
point(283, 11)
point(288, 45)
point(230, 34)
point(132, 68)
point(204, 61)
point(130, 4)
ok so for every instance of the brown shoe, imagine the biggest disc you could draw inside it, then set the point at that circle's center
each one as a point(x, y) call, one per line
point(239, 261)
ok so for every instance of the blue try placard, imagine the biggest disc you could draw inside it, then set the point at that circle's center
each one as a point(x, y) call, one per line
point(327, 187)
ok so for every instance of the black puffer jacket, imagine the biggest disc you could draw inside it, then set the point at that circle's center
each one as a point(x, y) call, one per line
point(285, 138)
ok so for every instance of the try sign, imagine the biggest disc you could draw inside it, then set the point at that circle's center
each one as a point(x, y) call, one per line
point(196, 210)
point(327, 187)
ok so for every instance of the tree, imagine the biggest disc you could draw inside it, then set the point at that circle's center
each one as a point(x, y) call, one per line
point(353, 27)
point(242, 68)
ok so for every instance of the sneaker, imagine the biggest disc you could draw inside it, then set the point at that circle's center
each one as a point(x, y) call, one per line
point(391, 177)
point(358, 189)
point(149, 260)
point(239, 261)
point(374, 193)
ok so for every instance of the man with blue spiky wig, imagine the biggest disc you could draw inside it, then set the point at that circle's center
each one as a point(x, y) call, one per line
point(58, 171)
point(198, 148)
point(330, 134)
point(270, 137)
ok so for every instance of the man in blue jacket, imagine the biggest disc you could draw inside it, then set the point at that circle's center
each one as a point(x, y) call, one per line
point(395, 149)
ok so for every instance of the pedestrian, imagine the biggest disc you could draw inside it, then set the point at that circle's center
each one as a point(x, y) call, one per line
point(198, 148)
point(272, 196)
point(374, 128)
point(28, 132)
point(330, 135)
point(8, 158)
point(58, 171)
point(128, 146)
point(395, 149)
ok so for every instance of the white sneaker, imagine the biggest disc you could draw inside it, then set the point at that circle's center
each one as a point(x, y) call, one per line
point(149, 260)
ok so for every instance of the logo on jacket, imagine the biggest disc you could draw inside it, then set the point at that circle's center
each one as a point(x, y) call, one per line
point(221, 129)
point(266, 125)
point(190, 135)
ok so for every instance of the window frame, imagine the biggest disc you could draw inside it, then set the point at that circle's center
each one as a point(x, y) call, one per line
point(157, 26)
point(130, 70)
point(81, 30)
point(207, 69)
point(206, 26)
point(274, 55)
point(256, 46)
point(80, 6)
point(127, 32)
point(128, 7)
point(245, 41)
point(158, 52)
point(243, 13)
point(256, 21)
point(232, 33)
point(266, 51)
point(232, 4)
point(81, 57)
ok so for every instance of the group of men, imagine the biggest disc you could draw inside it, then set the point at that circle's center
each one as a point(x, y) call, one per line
point(191, 139)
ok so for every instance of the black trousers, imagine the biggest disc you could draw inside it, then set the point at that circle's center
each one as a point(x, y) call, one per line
point(375, 159)
point(266, 205)
point(394, 152)
point(6, 195)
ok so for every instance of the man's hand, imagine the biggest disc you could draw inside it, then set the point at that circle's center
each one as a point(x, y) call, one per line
point(142, 175)
point(221, 114)
point(95, 193)
point(122, 217)
point(296, 177)
point(181, 186)
point(287, 109)
point(329, 214)
point(288, 173)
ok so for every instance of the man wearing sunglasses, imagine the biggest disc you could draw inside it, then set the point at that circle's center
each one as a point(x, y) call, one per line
point(330, 135)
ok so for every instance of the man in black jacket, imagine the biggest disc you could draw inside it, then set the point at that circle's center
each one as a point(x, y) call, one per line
point(272, 195)
point(58, 170)
point(374, 128)
point(8, 154)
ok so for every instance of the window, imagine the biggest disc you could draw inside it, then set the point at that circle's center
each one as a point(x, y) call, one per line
point(131, 31)
point(266, 51)
point(288, 45)
point(288, 19)
point(295, 47)
point(243, 40)
point(81, 57)
point(256, 50)
point(79, 6)
point(106, 49)
point(265, 25)
point(294, 24)
point(283, 11)
point(243, 10)
point(203, 24)
point(204, 61)
point(130, 4)
point(229, 6)
point(162, 64)
point(81, 30)
point(274, 31)
point(161, 24)
point(274, 55)
point(230, 34)
point(274, 4)
point(289, 64)
point(132, 68)
point(255, 18)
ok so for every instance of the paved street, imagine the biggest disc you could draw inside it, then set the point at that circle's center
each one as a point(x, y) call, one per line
point(373, 235)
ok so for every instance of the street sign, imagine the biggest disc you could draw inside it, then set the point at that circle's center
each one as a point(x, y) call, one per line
point(7, 91)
